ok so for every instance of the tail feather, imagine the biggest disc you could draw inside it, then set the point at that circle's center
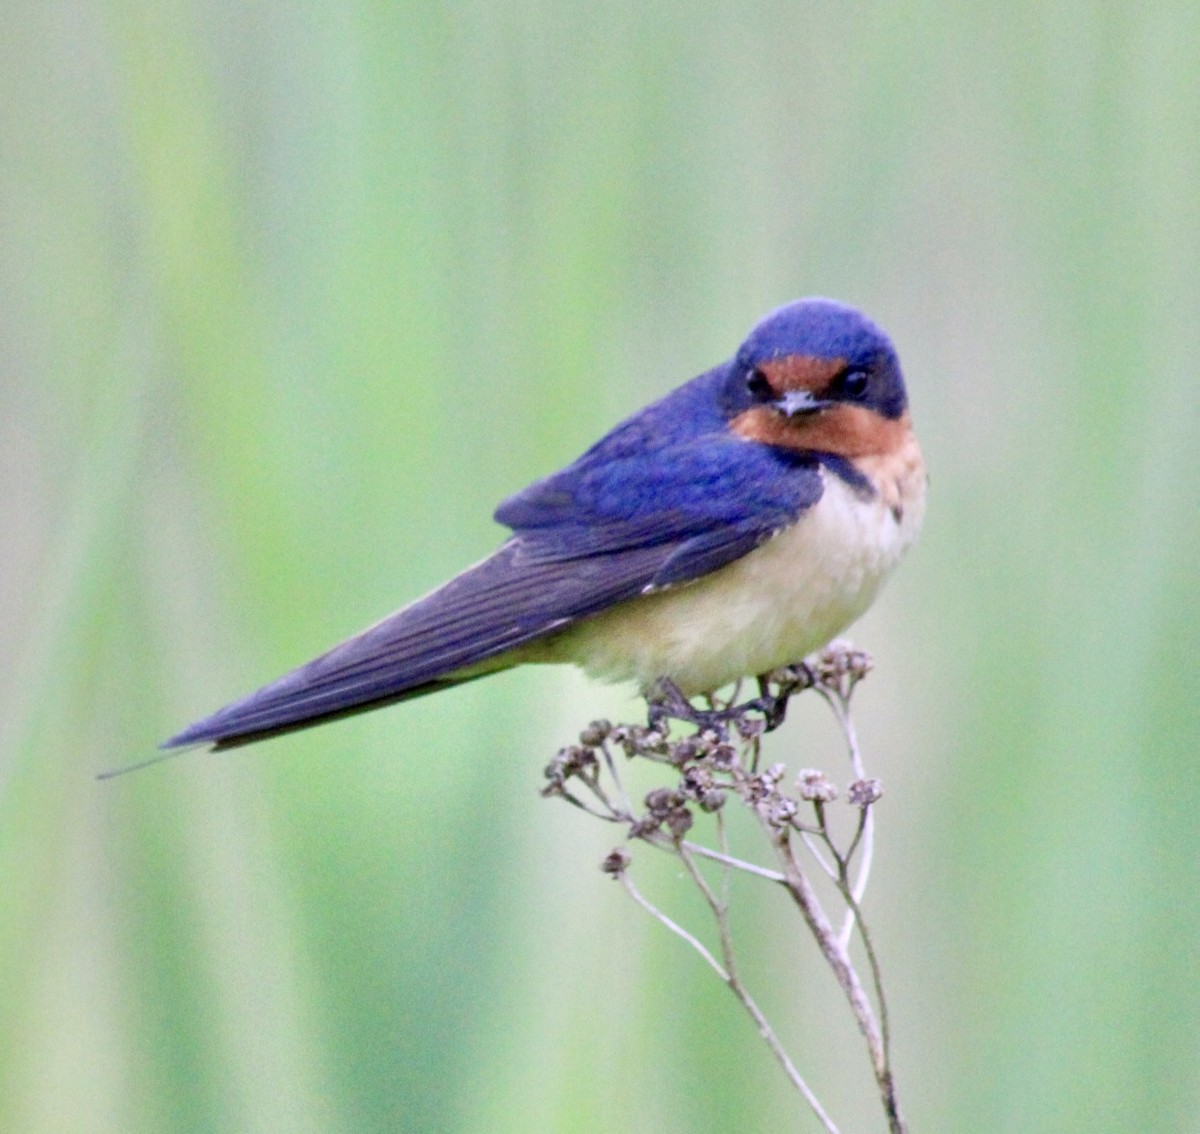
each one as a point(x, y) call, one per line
point(457, 633)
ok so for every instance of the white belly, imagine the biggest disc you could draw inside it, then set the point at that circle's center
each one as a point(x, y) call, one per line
point(773, 606)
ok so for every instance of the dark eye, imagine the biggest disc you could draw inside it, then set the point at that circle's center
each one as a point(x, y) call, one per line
point(759, 387)
point(854, 384)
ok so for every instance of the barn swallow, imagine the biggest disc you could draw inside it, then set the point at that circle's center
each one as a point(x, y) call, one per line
point(733, 527)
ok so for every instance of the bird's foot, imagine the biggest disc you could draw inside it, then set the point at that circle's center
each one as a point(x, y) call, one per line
point(773, 706)
point(667, 702)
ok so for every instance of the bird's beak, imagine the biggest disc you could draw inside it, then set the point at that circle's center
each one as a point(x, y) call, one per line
point(796, 403)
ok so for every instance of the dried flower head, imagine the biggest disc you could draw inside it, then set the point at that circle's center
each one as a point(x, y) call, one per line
point(815, 787)
point(616, 862)
point(595, 734)
point(862, 793)
point(841, 666)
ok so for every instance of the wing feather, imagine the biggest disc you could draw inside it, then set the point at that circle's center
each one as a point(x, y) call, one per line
point(501, 603)
point(596, 534)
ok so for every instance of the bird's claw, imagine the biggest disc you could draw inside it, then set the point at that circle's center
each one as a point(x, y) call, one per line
point(667, 702)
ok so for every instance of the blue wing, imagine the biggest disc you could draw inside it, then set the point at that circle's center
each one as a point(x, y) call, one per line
point(625, 519)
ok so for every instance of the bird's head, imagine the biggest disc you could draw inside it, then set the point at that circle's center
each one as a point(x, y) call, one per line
point(818, 375)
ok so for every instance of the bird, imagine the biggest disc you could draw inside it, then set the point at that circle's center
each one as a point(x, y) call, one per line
point(730, 528)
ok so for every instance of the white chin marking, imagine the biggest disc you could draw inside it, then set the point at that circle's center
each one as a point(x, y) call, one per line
point(773, 606)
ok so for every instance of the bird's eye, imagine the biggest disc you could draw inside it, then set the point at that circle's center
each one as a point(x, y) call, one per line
point(854, 383)
point(758, 385)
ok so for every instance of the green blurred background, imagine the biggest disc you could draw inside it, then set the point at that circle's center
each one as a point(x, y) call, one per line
point(293, 294)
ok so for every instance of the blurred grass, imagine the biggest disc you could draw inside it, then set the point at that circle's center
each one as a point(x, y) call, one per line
point(293, 297)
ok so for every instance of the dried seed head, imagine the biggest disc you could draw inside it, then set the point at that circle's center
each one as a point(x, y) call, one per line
point(815, 787)
point(638, 740)
point(695, 781)
point(840, 666)
point(686, 750)
point(764, 786)
point(595, 733)
point(858, 663)
point(581, 759)
point(661, 800)
point(679, 822)
point(712, 800)
point(647, 825)
point(723, 757)
point(862, 793)
point(781, 812)
point(616, 862)
point(656, 738)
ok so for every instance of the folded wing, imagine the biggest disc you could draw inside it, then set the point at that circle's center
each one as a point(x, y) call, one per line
point(581, 544)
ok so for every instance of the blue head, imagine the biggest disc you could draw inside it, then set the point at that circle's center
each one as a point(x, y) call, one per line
point(815, 354)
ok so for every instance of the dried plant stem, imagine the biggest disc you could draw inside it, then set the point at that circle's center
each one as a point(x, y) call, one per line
point(729, 976)
point(875, 1029)
point(838, 959)
point(719, 764)
point(876, 974)
point(730, 861)
point(839, 701)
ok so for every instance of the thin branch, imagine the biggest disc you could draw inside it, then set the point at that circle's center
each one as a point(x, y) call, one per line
point(727, 859)
point(811, 842)
point(840, 704)
point(747, 1001)
point(839, 961)
point(597, 789)
point(720, 914)
point(626, 805)
point(575, 801)
point(876, 972)
point(672, 925)
point(864, 835)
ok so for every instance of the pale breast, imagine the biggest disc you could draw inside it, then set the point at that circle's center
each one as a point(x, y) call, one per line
point(773, 606)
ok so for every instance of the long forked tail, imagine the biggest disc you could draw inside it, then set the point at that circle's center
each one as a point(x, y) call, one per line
point(463, 630)
point(270, 712)
point(450, 636)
